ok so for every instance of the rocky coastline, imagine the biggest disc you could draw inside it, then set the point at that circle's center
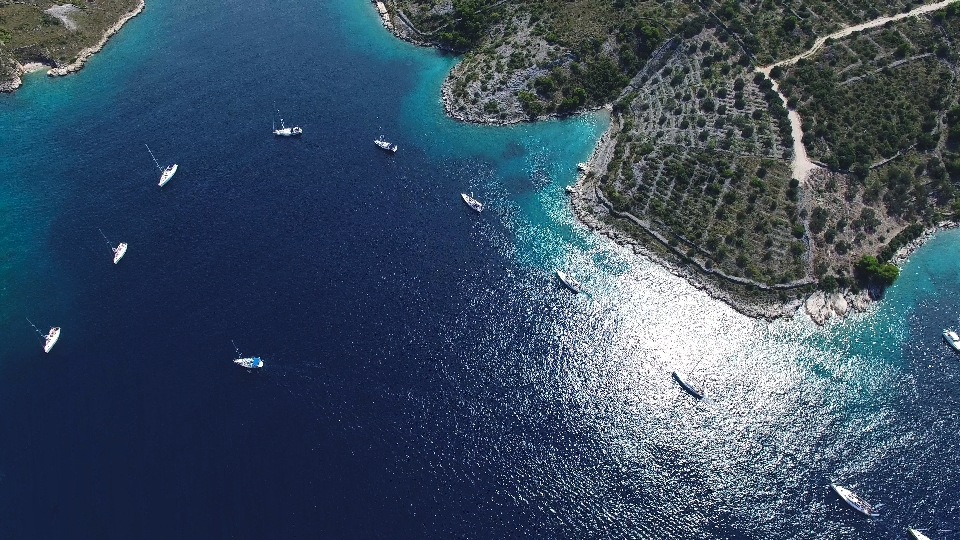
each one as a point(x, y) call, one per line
point(86, 53)
point(12, 84)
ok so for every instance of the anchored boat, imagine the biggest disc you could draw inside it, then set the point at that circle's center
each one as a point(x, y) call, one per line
point(952, 339)
point(688, 386)
point(471, 202)
point(249, 363)
point(854, 500)
point(165, 174)
point(385, 145)
point(917, 535)
point(570, 283)
point(50, 338)
point(285, 131)
point(118, 251)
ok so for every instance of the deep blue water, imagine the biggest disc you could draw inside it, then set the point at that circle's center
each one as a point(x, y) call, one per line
point(425, 377)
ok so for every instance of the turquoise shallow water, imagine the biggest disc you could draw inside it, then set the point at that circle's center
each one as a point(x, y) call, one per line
point(426, 376)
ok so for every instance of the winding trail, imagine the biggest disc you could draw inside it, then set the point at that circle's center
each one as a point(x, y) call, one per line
point(802, 166)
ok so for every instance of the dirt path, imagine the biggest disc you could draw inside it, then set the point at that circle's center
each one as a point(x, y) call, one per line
point(802, 166)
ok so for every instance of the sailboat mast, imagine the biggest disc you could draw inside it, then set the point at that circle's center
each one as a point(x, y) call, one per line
point(105, 238)
point(153, 156)
point(34, 327)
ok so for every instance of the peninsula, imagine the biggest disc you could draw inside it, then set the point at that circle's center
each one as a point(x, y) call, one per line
point(777, 153)
point(43, 35)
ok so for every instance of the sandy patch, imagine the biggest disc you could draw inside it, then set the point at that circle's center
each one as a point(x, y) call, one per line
point(62, 13)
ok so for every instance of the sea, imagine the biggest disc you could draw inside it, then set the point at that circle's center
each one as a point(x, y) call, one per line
point(425, 376)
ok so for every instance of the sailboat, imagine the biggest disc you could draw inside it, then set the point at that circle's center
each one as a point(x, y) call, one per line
point(571, 283)
point(285, 131)
point(917, 535)
point(165, 174)
point(471, 202)
point(50, 339)
point(854, 500)
point(118, 251)
point(688, 386)
point(389, 147)
point(249, 363)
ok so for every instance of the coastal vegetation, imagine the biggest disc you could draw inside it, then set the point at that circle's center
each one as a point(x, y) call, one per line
point(30, 31)
point(698, 165)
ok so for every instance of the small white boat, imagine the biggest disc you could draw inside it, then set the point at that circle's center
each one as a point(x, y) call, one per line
point(250, 363)
point(471, 202)
point(118, 251)
point(165, 174)
point(582, 167)
point(285, 131)
point(385, 145)
point(917, 535)
point(51, 339)
point(952, 339)
point(854, 500)
point(688, 386)
point(571, 283)
point(569, 190)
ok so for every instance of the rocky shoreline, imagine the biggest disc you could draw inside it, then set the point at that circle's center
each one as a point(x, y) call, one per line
point(16, 81)
point(587, 207)
point(86, 53)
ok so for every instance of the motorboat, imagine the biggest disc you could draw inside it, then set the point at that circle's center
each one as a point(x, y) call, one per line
point(688, 386)
point(854, 500)
point(385, 145)
point(952, 339)
point(570, 283)
point(582, 167)
point(471, 202)
point(917, 535)
point(51, 339)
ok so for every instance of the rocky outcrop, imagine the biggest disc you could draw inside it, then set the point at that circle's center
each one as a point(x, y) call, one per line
point(85, 54)
point(822, 306)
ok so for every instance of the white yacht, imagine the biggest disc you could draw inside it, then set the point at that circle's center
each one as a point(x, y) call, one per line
point(688, 386)
point(854, 500)
point(571, 283)
point(385, 145)
point(285, 131)
point(165, 174)
point(51, 339)
point(119, 251)
point(250, 363)
point(952, 339)
point(471, 202)
point(917, 535)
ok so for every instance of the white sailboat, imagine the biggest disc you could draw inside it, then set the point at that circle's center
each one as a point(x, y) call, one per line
point(285, 131)
point(165, 174)
point(50, 338)
point(570, 283)
point(249, 363)
point(854, 500)
point(385, 145)
point(471, 202)
point(952, 339)
point(917, 535)
point(119, 251)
